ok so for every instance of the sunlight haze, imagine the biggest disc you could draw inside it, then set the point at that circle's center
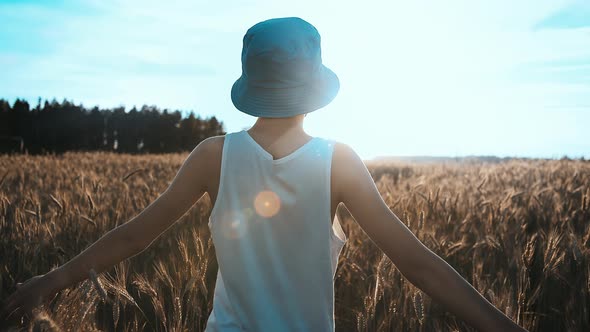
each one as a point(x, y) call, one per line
point(453, 78)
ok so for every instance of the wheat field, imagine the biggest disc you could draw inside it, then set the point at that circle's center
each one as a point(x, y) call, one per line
point(518, 231)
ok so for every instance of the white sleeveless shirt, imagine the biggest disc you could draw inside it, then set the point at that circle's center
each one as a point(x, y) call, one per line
point(276, 248)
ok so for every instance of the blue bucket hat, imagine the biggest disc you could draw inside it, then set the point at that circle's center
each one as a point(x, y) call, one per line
point(282, 70)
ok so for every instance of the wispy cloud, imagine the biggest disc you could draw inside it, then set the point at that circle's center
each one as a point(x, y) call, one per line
point(571, 16)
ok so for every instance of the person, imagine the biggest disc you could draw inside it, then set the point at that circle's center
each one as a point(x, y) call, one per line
point(275, 190)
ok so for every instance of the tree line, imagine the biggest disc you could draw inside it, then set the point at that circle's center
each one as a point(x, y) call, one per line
point(54, 127)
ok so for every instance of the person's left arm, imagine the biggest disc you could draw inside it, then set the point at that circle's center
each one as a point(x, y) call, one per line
point(128, 239)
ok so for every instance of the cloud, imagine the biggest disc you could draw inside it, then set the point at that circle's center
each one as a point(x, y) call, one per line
point(574, 15)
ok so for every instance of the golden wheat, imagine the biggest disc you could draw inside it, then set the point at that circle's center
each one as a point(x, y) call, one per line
point(517, 230)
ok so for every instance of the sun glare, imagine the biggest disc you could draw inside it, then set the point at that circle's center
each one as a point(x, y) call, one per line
point(267, 203)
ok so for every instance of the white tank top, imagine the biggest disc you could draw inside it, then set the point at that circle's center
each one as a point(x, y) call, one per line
point(276, 248)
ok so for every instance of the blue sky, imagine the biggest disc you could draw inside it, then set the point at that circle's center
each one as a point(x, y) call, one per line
point(452, 78)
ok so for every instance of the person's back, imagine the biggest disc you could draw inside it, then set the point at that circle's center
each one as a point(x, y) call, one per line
point(275, 242)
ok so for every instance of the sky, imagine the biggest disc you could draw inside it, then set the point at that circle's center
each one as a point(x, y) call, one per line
point(437, 78)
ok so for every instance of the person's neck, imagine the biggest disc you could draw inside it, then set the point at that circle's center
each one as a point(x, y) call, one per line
point(278, 126)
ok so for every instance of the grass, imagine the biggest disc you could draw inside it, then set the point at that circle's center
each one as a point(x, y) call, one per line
point(518, 231)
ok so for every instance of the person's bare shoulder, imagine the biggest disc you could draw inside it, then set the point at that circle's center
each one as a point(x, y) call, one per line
point(213, 145)
point(344, 154)
point(212, 151)
point(345, 164)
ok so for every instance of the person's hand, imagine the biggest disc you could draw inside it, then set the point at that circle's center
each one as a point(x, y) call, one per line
point(27, 297)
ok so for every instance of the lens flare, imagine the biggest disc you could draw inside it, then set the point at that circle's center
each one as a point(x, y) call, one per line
point(233, 224)
point(267, 203)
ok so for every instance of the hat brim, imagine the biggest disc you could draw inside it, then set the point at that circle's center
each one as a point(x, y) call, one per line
point(285, 102)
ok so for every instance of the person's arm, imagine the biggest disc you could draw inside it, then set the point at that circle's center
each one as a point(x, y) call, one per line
point(422, 267)
point(128, 239)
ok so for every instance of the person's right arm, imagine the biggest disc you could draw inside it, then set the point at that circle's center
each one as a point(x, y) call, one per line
point(127, 239)
point(422, 267)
